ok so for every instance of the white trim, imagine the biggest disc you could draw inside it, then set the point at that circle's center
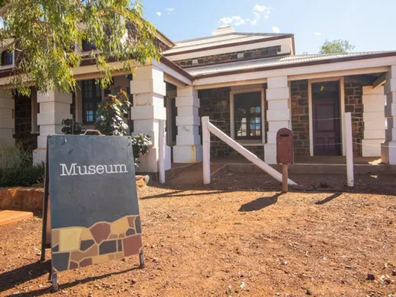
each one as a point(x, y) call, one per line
point(172, 73)
point(286, 44)
point(232, 115)
point(342, 112)
point(306, 72)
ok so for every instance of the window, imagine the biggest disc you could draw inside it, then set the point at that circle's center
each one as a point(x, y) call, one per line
point(91, 97)
point(88, 46)
point(247, 115)
point(7, 58)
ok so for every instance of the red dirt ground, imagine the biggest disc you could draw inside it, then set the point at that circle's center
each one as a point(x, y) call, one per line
point(224, 240)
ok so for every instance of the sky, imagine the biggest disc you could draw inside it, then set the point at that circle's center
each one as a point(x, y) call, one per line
point(368, 25)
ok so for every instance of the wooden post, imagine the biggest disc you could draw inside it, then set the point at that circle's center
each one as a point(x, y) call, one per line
point(285, 177)
point(349, 149)
point(206, 150)
point(162, 148)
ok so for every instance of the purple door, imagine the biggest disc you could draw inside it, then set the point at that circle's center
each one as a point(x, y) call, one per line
point(326, 118)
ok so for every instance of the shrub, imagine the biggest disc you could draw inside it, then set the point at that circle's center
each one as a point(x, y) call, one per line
point(110, 121)
point(141, 144)
point(17, 169)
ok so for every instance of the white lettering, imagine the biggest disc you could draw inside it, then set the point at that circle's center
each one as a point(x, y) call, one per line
point(99, 169)
point(85, 170)
point(92, 169)
point(111, 169)
point(123, 168)
point(72, 170)
point(76, 169)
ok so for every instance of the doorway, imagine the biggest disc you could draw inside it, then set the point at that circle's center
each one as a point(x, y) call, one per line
point(326, 118)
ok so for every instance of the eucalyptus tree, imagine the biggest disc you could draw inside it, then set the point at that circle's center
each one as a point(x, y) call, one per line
point(46, 36)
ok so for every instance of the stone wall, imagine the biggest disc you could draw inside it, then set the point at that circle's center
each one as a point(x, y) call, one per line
point(300, 117)
point(228, 57)
point(354, 104)
point(215, 103)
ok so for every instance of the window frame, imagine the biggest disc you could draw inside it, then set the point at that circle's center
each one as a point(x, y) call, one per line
point(247, 140)
point(13, 59)
point(87, 100)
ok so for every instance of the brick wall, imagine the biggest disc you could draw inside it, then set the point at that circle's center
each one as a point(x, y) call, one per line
point(228, 57)
point(215, 103)
point(354, 104)
point(300, 117)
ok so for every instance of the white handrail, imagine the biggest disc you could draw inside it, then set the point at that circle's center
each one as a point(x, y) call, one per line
point(162, 151)
point(209, 127)
point(349, 149)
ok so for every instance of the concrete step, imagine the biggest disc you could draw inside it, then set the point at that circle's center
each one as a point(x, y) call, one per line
point(13, 216)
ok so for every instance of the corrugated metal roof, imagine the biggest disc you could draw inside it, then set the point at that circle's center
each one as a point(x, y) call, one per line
point(202, 43)
point(273, 62)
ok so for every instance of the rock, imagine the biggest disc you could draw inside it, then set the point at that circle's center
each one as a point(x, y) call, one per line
point(284, 262)
point(348, 267)
point(229, 290)
point(370, 277)
point(168, 216)
point(133, 281)
point(308, 292)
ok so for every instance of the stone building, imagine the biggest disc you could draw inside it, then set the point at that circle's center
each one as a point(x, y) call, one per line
point(250, 85)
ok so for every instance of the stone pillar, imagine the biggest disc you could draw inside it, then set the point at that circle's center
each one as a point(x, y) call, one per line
point(188, 147)
point(54, 107)
point(388, 149)
point(278, 114)
point(374, 121)
point(7, 120)
point(148, 88)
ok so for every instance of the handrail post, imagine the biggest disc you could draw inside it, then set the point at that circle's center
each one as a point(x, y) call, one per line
point(206, 150)
point(161, 145)
point(349, 149)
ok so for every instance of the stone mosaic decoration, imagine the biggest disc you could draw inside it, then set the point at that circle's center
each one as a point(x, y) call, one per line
point(76, 247)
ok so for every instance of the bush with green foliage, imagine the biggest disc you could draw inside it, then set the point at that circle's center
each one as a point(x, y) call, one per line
point(111, 112)
point(17, 169)
point(111, 121)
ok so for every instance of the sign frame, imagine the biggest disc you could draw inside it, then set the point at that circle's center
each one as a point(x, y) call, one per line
point(46, 225)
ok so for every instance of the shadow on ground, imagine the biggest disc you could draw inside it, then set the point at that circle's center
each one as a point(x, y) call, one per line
point(18, 276)
point(226, 181)
point(260, 203)
point(35, 270)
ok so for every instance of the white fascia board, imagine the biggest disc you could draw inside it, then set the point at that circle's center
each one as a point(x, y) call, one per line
point(172, 73)
point(231, 49)
point(306, 72)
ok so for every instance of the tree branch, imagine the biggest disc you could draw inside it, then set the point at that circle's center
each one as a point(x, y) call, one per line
point(4, 9)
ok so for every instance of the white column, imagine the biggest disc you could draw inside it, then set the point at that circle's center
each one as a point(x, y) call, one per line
point(188, 147)
point(54, 107)
point(388, 150)
point(149, 89)
point(7, 121)
point(278, 114)
point(374, 121)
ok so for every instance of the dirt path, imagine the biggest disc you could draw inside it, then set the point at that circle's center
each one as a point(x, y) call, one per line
point(227, 241)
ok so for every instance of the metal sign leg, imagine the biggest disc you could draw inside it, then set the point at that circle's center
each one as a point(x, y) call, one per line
point(54, 278)
point(141, 259)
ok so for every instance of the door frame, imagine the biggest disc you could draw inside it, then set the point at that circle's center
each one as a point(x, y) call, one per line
point(342, 111)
